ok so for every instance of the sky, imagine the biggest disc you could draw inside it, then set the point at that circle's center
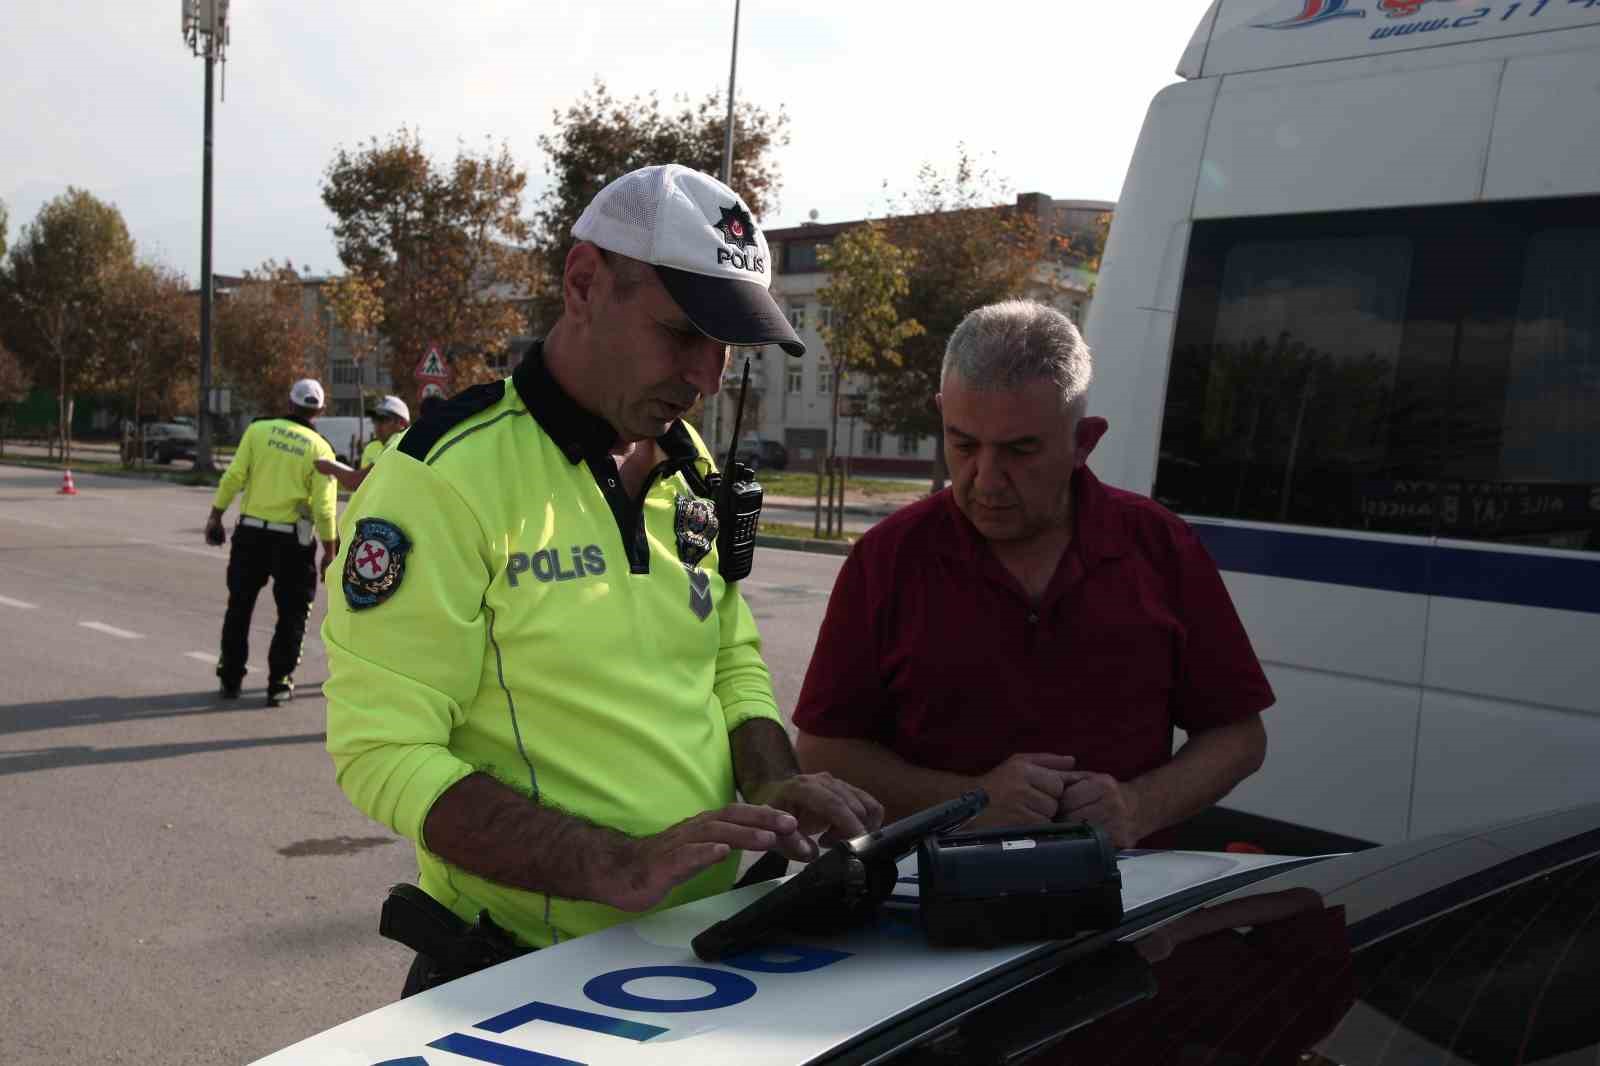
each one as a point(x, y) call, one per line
point(104, 95)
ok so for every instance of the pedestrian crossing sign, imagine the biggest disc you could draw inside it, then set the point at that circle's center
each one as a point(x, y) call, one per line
point(431, 367)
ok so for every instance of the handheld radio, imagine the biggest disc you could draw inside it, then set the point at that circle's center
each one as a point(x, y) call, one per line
point(738, 498)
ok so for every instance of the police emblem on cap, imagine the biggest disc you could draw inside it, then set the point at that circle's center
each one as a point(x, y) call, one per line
point(736, 227)
point(375, 564)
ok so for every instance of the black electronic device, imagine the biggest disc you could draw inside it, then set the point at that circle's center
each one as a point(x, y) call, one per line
point(1018, 883)
point(841, 889)
point(738, 498)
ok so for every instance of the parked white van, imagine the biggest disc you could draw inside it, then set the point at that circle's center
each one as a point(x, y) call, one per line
point(347, 434)
point(1349, 326)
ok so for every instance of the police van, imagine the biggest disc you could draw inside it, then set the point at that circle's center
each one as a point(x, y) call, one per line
point(1348, 326)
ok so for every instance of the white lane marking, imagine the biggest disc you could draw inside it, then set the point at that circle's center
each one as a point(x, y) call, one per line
point(9, 602)
point(200, 656)
point(101, 627)
point(135, 542)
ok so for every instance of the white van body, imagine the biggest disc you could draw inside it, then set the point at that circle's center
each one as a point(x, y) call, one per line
point(1348, 325)
point(347, 434)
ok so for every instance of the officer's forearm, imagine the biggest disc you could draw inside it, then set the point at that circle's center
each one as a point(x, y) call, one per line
point(495, 832)
point(216, 514)
point(762, 756)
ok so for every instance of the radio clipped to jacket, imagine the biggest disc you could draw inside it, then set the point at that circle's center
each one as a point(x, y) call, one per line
point(738, 497)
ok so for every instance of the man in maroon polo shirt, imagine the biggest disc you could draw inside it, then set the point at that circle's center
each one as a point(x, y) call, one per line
point(1029, 629)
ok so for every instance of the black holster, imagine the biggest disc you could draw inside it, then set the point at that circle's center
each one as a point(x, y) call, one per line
point(429, 928)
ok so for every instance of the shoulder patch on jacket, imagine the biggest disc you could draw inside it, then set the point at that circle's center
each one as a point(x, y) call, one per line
point(422, 436)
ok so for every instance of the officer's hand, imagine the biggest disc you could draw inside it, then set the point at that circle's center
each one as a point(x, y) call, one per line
point(821, 803)
point(1024, 790)
point(214, 534)
point(650, 867)
point(330, 548)
point(1103, 801)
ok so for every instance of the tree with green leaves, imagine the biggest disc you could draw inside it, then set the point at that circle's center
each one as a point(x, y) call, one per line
point(600, 138)
point(268, 336)
point(972, 249)
point(57, 283)
point(14, 388)
point(444, 247)
point(867, 278)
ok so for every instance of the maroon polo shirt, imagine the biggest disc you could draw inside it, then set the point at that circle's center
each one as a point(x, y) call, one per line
point(931, 648)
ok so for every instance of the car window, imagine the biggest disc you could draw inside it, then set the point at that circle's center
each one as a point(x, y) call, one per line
point(1286, 973)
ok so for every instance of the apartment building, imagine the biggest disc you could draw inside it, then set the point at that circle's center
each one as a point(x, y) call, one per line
point(790, 398)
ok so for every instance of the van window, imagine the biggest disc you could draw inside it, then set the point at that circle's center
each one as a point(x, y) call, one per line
point(1433, 371)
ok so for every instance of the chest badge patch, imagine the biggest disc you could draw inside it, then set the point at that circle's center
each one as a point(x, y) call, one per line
point(696, 527)
point(375, 564)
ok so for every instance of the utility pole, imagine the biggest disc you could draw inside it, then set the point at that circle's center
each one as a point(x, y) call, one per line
point(714, 403)
point(205, 31)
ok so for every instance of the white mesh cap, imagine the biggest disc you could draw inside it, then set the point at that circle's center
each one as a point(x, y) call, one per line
point(708, 251)
point(307, 392)
point(392, 405)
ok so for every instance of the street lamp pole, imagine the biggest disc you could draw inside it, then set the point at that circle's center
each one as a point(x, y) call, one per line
point(205, 30)
point(714, 403)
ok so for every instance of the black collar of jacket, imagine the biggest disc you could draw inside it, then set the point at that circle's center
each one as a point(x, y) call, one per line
point(581, 434)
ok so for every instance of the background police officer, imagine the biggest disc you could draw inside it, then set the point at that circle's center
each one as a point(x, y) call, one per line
point(390, 417)
point(285, 499)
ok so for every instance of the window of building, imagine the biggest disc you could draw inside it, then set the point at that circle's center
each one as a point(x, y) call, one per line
point(797, 381)
point(347, 408)
point(797, 315)
point(824, 378)
point(909, 443)
point(800, 257)
point(872, 442)
point(1352, 371)
point(346, 372)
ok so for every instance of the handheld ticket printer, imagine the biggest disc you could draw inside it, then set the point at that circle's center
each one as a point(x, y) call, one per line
point(1018, 883)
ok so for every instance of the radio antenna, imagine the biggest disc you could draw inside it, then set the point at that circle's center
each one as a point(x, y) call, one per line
point(725, 490)
point(738, 418)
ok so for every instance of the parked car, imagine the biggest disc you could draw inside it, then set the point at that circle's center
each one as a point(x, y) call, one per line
point(166, 441)
point(763, 453)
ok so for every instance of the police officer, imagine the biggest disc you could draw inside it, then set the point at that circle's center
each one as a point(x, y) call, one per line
point(537, 672)
point(285, 500)
point(390, 417)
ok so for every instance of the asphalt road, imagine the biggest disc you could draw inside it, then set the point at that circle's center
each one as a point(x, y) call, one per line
point(183, 881)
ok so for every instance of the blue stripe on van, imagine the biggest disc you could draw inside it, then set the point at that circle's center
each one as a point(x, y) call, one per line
point(1496, 577)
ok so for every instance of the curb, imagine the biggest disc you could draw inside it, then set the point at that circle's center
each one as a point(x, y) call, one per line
point(804, 544)
point(171, 477)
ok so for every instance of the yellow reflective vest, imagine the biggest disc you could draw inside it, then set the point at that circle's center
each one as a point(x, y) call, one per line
point(273, 468)
point(370, 453)
point(506, 609)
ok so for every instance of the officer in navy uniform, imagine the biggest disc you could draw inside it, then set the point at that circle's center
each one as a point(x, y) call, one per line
point(285, 500)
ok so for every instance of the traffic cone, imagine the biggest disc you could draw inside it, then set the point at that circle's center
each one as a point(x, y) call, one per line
point(67, 487)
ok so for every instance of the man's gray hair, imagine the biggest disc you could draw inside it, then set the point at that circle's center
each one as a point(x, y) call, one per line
point(1016, 342)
